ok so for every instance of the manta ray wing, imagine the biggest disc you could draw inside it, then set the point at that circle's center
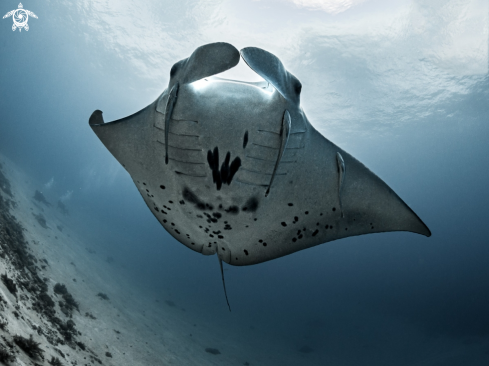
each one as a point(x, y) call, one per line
point(226, 142)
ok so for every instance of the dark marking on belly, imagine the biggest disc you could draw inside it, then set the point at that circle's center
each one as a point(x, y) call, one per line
point(191, 197)
point(251, 205)
point(245, 140)
point(226, 173)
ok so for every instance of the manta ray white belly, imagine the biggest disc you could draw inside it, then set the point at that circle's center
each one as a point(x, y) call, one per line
point(236, 168)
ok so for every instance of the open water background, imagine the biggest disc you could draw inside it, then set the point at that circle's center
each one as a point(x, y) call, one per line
point(403, 86)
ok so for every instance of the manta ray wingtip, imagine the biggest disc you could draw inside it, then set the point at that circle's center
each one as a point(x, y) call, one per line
point(96, 118)
point(416, 225)
point(426, 231)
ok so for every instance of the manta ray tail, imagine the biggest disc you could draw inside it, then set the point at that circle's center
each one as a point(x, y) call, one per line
point(224, 283)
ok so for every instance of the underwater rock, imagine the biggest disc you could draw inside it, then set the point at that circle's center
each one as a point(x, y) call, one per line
point(69, 304)
point(29, 346)
point(55, 361)
point(9, 283)
point(103, 296)
point(62, 207)
point(6, 356)
point(4, 183)
point(213, 351)
point(41, 220)
point(38, 196)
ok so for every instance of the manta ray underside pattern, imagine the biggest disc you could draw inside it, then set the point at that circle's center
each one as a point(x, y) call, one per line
point(235, 168)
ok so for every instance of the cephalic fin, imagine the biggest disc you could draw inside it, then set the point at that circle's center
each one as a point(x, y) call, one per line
point(170, 105)
point(270, 68)
point(207, 60)
point(341, 177)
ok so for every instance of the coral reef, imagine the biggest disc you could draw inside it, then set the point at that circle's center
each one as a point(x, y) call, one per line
point(55, 361)
point(62, 207)
point(29, 346)
point(6, 356)
point(38, 196)
point(103, 296)
point(9, 283)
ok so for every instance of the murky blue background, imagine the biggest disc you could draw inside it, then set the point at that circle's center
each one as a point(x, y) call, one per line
point(403, 86)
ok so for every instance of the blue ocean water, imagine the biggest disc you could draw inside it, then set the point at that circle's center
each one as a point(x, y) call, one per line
point(403, 87)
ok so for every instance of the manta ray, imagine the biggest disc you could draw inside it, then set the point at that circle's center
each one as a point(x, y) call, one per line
point(236, 169)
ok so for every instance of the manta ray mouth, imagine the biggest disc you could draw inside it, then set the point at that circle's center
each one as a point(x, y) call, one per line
point(202, 84)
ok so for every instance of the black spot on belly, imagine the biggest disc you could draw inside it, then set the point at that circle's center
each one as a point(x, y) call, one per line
point(191, 197)
point(245, 140)
point(245, 252)
point(251, 204)
point(225, 168)
point(291, 204)
point(233, 169)
point(315, 232)
point(213, 161)
point(217, 215)
point(284, 224)
point(225, 174)
point(234, 210)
